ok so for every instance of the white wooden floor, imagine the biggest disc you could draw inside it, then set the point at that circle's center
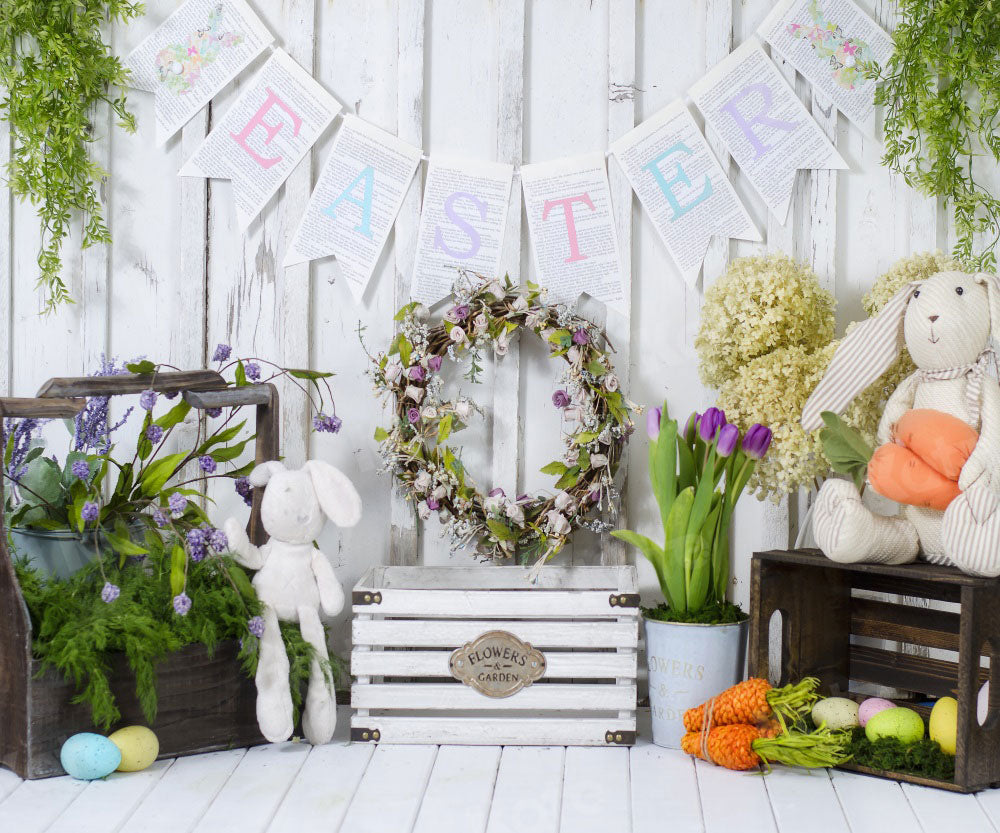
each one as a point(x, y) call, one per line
point(396, 789)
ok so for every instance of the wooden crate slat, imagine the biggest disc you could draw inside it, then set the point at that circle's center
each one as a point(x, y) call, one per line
point(937, 677)
point(905, 623)
point(458, 604)
point(919, 570)
point(564, 697)
point(434, 579)
point(547, 731)
point(559, 665)
point(404, 633)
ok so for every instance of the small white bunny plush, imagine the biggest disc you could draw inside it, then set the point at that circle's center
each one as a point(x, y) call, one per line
point(294, 580)
point(946, 323)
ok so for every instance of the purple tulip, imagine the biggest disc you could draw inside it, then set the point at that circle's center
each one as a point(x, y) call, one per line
point(560, 399)
point(710, 423)
point(729, 435)
point(653, 422)
point(434, 363)
point(757, 441)
point(416, 373)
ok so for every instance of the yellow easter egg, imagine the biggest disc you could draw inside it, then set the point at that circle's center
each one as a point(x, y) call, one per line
point(138, 745)
point(944, 724)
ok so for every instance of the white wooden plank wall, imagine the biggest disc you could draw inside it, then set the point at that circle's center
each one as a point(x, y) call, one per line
point(504, 80)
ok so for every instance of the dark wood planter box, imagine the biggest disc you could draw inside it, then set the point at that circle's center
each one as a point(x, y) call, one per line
point(820, 613)
point(205, 703)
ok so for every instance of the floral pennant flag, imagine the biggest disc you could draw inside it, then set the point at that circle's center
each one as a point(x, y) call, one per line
point(836, 46)
point(764, 125)
point(355, 201)
point(462, 224)
point(192, 55)
point(264, 135)
point(573, 234)
point(682, 186)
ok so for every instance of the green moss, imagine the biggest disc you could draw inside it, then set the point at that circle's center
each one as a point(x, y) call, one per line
point(725, 613)
point(921, 758)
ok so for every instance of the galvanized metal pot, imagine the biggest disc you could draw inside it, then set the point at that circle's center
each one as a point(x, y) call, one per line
point(55, 552)
point(688, 664)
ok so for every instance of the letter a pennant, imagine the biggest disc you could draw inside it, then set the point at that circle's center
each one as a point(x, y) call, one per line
point(682, 186)
point(265, 134)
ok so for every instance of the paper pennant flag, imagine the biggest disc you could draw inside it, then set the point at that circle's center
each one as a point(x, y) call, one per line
point(462, 224)
point(833, 43)
point(573, 236)
point(681, 185)
point(264, 135)
point(355, 201)
point(762, 122)
point(192, 55)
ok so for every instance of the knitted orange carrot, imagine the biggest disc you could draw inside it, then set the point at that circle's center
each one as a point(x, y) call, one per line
point(739, 746)
point(755, 702)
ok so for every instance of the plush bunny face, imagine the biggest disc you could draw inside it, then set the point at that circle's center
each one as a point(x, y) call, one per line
point(947, 321)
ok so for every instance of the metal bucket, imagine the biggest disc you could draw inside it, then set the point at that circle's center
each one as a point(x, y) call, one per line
point(687, 665)
point(55, 552)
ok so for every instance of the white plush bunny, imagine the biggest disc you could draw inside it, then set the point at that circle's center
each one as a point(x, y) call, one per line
point(294, 580)
point(946, 322)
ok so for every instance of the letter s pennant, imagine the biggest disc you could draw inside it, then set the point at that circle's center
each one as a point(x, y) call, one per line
point(681, 185)
point(265, 134)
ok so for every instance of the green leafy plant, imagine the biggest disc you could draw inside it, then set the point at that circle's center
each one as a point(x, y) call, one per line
point(56, 70)
point(845, 447)
point(924, 757)
point(941, 93)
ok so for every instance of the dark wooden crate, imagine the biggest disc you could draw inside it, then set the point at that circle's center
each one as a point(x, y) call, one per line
point(205, 703)
point(819, 615)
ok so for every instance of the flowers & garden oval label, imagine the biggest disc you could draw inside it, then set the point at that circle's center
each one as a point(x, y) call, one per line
point(497, 664)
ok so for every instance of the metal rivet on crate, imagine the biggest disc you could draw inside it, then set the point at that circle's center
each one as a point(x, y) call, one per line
point(613, 600)
point(376, 734)
point(364, 735)
point(618, 737)
point(378, 598)
point(608, 737)
point(368, 597)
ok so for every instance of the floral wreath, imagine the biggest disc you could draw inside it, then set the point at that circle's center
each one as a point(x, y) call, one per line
point(597, 420)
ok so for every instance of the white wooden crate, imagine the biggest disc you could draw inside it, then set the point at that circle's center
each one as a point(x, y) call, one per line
point(409, 620)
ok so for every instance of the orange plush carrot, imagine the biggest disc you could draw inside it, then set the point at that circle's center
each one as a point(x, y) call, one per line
point(755, 702)
point(741, 747)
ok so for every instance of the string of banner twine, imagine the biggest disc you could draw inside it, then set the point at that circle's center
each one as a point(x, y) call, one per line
point(706, 727)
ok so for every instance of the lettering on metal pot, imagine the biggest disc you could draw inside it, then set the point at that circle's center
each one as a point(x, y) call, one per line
point(497, 664)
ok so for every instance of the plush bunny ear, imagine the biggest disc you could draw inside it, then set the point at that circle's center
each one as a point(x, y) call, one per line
point(864, 355)
point(335, 492)
point(992, 284)
point(262, 473)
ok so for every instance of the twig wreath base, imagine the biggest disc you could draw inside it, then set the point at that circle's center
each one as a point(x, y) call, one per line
point(597, 420)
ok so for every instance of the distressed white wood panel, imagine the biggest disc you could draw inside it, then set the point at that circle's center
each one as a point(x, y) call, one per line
point(34, 805)
point(184, 793)
point(256, 788)
point(556, 696)
point(6, 263)
point(443, 634)
point(391, 789)
point(620, 579)
point(733, 800)
point(107, 803)
point(8, 783)
point(541, 731)
point(460, 790)
point(804, 799)
point(872, 805)
point(940, 810)
point(455, 604)
point(558, 664)
point(989, 800)
point(323, 789)
point(596, 794)
point(663, 786)
point(527, 795)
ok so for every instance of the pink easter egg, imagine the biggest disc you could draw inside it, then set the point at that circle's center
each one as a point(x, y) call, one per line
point(871, 707)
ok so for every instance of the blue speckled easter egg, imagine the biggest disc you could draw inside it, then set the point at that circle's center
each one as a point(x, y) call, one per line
point(88, 756)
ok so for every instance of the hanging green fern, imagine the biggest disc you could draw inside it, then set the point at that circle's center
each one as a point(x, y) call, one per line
point(54, 70)
point(941, 93)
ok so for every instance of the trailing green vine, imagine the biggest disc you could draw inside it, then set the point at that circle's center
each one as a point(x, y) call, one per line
point(55, 69)
point(941, 93)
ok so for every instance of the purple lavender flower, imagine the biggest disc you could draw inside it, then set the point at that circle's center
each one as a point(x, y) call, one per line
point(327, 424)
point(182, 604)
point(757, 441)
point(729, 435)
point(154, 433)
point(171, 394)
point(653, 418)
point(195, 539)
point(207, 464)
point(222, 352)
point(256, 626)
point(581, 336)
point(416, 373)
point(80, 469)
point(214, 412)
point(147, 400)
point(159, 518)
point(244, 490)
point(92, 429)
point(560, 399)
point(23, 432)
point(178, 503)
point(252, 370)
point(710, 423)
point(109, 592)
point(413, 415)
point(435, 362)
point(217, 540)
point(90, 511)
